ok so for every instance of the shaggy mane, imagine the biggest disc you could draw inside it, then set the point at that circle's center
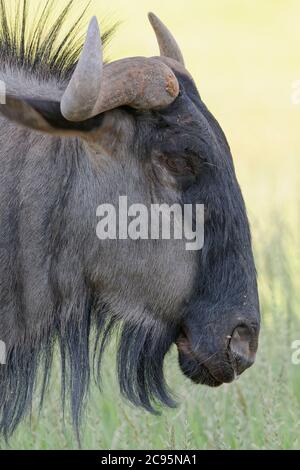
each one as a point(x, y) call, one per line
point(38, 45)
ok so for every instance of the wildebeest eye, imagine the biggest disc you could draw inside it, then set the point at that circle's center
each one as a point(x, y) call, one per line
point(179, 170)
point(180, 166)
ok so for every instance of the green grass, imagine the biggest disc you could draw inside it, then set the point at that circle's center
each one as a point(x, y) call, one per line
point(244, 57)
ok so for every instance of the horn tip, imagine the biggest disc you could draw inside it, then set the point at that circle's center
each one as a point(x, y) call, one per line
point(94, 23)
point(153, 18)
point(167, 43)
point(93, 37)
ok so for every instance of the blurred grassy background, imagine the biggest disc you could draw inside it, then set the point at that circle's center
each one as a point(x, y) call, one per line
point(244, 56)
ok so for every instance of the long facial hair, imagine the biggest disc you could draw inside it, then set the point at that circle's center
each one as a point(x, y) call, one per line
point(141, 351)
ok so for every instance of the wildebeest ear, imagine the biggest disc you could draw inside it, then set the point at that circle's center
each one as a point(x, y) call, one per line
point(44, 116)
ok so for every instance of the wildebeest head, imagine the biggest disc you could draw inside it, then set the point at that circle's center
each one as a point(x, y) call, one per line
point(142, 130)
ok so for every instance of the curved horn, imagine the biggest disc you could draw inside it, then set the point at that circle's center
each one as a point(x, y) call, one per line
point(137, 82)
point(167, 44)
point(84, 87)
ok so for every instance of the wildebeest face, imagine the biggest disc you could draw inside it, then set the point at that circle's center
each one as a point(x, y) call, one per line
point(219, 320)
point(219, 332)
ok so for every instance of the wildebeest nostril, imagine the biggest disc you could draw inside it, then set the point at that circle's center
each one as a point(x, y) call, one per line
point(240, 347)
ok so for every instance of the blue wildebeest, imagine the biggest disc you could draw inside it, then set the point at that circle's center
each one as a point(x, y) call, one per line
point(78, 133)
